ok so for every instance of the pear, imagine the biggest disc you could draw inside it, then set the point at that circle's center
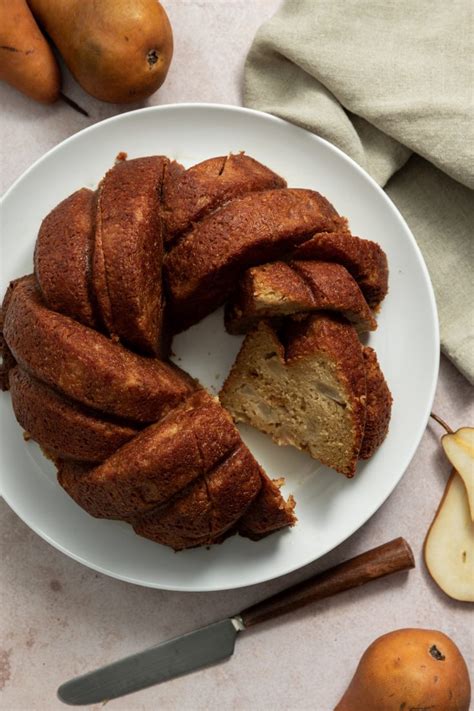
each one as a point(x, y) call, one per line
point(26, 59)
point(449, 545)
point(459, 449)
point(118, 50)
point(409, 669)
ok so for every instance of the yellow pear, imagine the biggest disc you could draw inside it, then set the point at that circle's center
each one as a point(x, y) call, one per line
point(449, 545)
point(118, 50)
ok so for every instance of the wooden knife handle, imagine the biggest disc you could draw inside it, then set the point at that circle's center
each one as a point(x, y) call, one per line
point(389, 558)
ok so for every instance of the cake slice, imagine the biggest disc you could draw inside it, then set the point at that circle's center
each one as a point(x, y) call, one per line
point(202, 269)
point(232, 486)
point(364, 260)
point(86, 366)
point(62, 428)
point(209, 508)
point(193, 194)
point(297, 288)
point(309, 393)
point(128, 252)
point(63, 257)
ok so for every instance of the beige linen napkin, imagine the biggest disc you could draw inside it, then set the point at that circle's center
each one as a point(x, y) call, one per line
point(391, 82)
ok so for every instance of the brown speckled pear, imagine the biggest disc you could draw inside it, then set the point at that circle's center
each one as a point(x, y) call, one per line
point(118, 51)
point(409, 669)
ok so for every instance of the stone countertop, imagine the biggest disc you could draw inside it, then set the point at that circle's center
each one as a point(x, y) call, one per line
point(59, 619)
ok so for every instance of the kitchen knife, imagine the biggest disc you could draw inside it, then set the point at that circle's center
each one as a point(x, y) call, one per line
point(215, 642)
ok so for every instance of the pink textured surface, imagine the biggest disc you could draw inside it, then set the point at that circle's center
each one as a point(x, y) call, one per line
point(59, 619)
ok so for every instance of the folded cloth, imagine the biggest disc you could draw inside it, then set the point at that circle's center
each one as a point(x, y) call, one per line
point(392, 85)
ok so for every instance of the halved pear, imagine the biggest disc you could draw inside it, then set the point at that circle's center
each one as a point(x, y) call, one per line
point(459, 448)
point(449, 545)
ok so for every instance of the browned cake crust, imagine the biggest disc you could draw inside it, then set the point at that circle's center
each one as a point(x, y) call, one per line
point(207, 185)
point(184, 523)
point(63, 428)
point(7, 359)
point(268, 512)
point(85, 365)
point(310, 393)
point(203, 267)
point(63, 256)
point(209, 508)
point(365, 260)
point(158, 463)
point(128, 252)
point(232, 487)
point(279, 289)
point(379, 405)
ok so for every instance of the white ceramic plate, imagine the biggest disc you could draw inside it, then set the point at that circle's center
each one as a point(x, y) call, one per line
point(329, 507)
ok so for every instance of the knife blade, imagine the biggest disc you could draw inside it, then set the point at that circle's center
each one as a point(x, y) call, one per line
point(215, 642)
point(167, 660)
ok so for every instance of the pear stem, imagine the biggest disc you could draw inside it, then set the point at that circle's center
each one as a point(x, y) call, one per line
point(442, 423)
point(73, 104)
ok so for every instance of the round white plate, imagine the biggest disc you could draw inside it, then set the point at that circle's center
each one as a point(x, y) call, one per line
point(329, 507)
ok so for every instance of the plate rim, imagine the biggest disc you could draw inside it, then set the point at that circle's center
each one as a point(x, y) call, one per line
point(185, 106)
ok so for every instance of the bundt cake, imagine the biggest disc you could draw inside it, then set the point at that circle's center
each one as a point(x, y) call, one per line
point(289, 289)
point(85, 344)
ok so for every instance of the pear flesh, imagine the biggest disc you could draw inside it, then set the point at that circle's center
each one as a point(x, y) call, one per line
point(459, 448)
point(449, 545)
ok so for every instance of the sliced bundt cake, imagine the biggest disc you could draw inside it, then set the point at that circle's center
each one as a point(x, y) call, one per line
point(203, 267)
point(135, 438)
point(85, 365)
point(279, 289)
point(64, 429)
point(63, 257)
point(191, 195)
point(309, 393)
point(128, 252)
